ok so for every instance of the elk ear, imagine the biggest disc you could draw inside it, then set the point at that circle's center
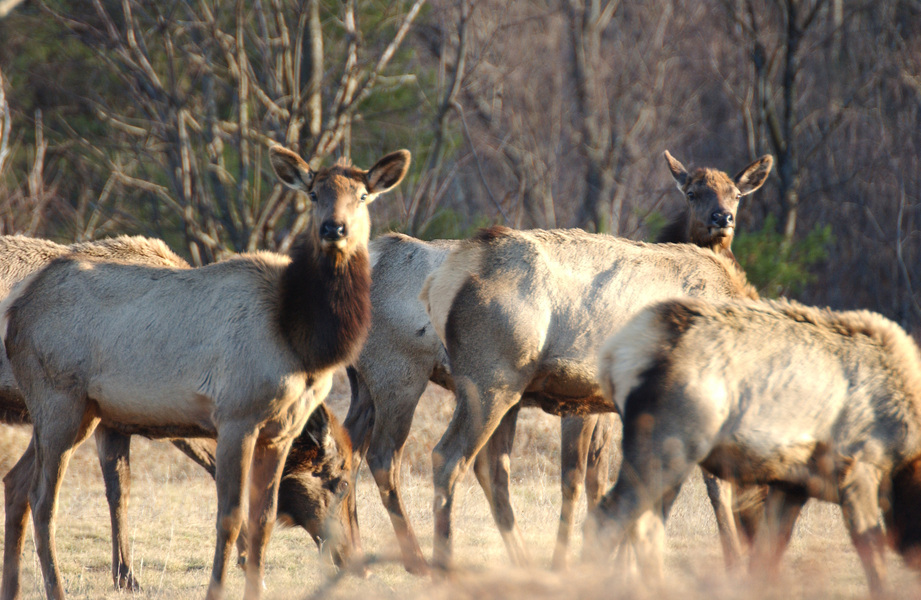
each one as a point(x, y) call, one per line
point(291, 169)
point(317, 427)
point(754, 175)
point(388, 172)
point(678, 171)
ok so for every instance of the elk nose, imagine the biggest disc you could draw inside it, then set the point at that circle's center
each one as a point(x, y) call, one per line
point(332, 231)
point(721, 219)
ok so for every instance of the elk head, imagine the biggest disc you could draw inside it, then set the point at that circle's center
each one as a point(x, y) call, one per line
point(713, 198)
point(340, 195)
point(315, 485)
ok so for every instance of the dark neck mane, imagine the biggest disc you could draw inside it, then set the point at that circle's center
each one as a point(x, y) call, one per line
point(325, 306)
point(678, 231)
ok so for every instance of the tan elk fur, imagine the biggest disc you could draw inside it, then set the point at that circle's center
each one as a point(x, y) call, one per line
point(822, 404)
point(243, 349)
point(587, 442)
point(520, 315)
point(21, 256)
point(320, 459)
point(403, 354)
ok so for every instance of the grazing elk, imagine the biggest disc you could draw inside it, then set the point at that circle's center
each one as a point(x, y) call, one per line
point(818, 403)
point(243, 349)
point(310, 490)
point(403, 354)
point(706, 220)
point(521, 314)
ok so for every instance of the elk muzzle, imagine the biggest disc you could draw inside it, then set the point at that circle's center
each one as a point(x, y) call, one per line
point(333, 237)
point(721, 223)
point(331, 231)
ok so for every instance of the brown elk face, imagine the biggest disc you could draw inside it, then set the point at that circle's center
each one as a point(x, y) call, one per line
point(713, 198)
point(315, 485)
point(340, 195)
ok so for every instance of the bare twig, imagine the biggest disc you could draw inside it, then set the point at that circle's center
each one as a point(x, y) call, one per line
point(903, 268)
point(6, 124)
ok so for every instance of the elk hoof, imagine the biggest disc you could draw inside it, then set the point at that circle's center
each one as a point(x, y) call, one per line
point(418, 567)
point(126, 581)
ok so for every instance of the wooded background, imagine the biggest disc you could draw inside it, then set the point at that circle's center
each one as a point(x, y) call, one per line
point(126, 116)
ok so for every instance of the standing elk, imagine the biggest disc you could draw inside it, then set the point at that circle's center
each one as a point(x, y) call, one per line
point(310, 489)
point(403, 353)
point(243, 349)
point(707, 220)
point(521, 314)
point(818, 403)
point(709, 217)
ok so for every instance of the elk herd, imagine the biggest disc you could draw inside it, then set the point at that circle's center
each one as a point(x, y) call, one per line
point(658, 356)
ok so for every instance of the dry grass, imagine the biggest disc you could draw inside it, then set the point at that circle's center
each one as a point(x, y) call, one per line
point(172, 533)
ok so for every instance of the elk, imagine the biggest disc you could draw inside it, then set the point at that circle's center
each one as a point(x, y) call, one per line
point(243, 349)
point(403, 353)
point(519, 313)
point(818, 403)
point(707, 220)
point(319, 461)
point(709, 217)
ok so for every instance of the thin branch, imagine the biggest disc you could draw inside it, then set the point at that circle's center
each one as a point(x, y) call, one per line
point(6, 123)
point(479, 166)
point(899, 255)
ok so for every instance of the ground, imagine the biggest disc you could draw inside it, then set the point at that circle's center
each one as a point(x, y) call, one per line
point(172, 533)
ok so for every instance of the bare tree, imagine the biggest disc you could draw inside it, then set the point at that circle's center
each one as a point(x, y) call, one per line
point(212, 84)
point(23, 205)
point(777, 40)
point(452, 72)
point(619, 77)
point(516, 103)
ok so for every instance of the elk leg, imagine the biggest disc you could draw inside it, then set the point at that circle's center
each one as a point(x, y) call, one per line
point(575, 437)
point(234, 457)
point(201, 451)
point(492, 467)
point(265, 477)
point(475, 418)
point(860, 508)
point(55, 440)
point(602, 449)
point(16, 487)
point(781, 509)
point(720, 494)
point(647, 538)
point(659, 452)
point(385, 456)
point(113, 450)
point(359, 423)
point(748, 507)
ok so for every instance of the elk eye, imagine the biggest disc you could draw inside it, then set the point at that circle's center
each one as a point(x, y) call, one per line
point(691, 195)
point(313, 196)
point(364, 197)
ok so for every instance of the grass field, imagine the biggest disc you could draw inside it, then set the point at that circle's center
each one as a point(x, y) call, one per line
point(172, 532)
